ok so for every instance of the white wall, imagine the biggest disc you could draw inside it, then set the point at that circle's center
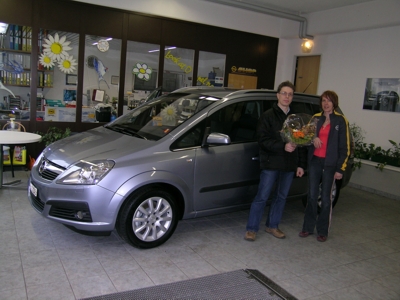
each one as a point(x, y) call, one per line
point(355, 42)
point(347, 60)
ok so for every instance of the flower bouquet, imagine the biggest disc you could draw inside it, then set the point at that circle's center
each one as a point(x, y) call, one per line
point(299, 129)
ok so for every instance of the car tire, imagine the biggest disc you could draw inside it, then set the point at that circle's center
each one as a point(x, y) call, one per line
point(334, 195)
point(148, 218)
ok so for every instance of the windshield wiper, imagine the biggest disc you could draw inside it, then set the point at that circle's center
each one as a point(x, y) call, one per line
point(125, 130)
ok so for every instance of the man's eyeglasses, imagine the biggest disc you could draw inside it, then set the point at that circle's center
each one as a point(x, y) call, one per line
point(290, 95)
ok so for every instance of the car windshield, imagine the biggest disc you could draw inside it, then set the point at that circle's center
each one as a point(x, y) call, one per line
point(155, 119)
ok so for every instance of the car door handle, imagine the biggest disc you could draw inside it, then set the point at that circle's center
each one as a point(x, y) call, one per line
point(254, 158)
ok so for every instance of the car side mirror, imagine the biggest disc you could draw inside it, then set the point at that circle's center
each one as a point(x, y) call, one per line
point(215, 138)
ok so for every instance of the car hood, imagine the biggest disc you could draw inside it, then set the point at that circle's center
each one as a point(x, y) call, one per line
point(95, 144)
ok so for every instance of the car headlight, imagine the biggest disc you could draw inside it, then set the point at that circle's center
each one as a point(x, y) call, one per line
point(87, 172)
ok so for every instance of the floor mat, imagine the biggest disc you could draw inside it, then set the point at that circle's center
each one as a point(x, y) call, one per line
point(240, 284)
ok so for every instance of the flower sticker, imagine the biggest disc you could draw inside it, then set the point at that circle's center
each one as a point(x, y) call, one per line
point(142, 71)
point(169, 113)
point(46, 60)
point(67, 65)
point(56, 48)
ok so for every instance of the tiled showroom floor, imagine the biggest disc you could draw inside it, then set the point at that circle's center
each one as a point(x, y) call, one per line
point(40, 259)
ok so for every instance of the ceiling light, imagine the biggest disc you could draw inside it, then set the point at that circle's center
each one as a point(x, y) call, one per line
point(168, 48)
point(107, 39)
point(307, 46)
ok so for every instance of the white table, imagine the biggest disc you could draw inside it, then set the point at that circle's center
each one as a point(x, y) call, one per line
point(8, 137)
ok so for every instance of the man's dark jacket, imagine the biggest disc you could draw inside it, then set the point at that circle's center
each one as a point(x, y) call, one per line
point(272, 147)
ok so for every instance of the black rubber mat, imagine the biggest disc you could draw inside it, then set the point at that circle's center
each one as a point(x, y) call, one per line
point(240, 284)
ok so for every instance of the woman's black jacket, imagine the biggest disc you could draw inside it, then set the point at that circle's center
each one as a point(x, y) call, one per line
point(338, 147)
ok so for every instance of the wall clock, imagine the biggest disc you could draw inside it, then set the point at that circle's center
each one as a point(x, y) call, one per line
point(103, 45)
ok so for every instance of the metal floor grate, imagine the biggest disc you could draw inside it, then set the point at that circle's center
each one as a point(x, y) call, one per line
point(240, 284)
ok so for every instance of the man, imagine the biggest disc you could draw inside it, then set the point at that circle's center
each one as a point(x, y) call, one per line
point(278, 162)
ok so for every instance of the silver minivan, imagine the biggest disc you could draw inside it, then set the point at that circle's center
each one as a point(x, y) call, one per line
point(187, 154)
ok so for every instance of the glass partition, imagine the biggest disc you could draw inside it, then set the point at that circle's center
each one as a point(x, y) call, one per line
point(211, 69)
point(57, 76)
point(101, 78)
point(178, 68)
point(15, 71)
point(141, 77)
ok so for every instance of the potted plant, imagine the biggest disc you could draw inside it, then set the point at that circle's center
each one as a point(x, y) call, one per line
point(381, 167)
point(360, 148)
point(394, 154)
point(54, 134)
point(372, 152)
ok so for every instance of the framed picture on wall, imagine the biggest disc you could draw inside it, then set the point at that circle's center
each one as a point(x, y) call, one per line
point(382, 94)
point(98, 95)
point(71, 79)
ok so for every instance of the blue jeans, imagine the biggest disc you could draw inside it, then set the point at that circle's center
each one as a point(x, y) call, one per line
point(319, 173)
point(268, 180)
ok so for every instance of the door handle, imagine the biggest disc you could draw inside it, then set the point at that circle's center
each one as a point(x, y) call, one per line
point(254, 158)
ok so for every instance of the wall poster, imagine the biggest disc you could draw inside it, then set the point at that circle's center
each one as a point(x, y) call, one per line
point(382, 94)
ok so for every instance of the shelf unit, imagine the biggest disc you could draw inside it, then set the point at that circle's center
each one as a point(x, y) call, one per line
point(21, 61)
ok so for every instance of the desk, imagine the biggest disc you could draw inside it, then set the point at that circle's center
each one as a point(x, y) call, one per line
point(9, 137)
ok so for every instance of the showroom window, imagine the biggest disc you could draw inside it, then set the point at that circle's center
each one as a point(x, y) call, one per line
point(15, 71)
point(141, 75)
point(101, 78)
point(178, 68)
point(57, 75)
point(211, 69)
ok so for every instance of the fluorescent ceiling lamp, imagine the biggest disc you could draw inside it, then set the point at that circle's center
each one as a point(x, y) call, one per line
point(168, 48)
point(108, 39)
point(3, 28)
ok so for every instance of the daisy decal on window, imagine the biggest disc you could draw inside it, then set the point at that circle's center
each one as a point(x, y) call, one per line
point(169, 116)
point(56, 48)
point(67, 65)
point(142, 71)
point(46, 60)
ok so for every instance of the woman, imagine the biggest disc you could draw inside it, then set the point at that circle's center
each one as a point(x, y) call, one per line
point(327, 161)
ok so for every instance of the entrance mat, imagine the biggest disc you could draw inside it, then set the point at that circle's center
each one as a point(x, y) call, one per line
point(240, 284)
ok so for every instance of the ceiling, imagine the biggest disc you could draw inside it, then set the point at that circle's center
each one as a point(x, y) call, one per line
point(295, 6)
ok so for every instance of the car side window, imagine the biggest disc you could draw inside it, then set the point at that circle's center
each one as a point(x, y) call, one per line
point(238, 120)
point(305, 108)
point(316, 108)
point(190, 139)
point(268, 104)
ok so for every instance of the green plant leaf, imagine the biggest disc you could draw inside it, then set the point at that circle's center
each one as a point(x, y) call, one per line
point(54, 134)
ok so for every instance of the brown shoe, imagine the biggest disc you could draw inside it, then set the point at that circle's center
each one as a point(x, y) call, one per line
point(304, 234)
point(250, 236)
point(276, 232)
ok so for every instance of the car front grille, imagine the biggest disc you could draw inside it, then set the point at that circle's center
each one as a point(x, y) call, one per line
point(37, 203)
point(48, 170)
